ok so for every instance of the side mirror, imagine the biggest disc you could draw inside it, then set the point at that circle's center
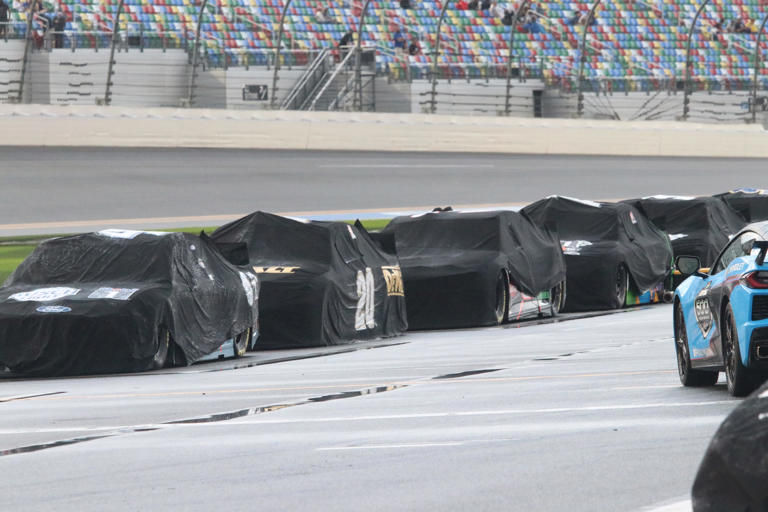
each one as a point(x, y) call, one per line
point(688, 265)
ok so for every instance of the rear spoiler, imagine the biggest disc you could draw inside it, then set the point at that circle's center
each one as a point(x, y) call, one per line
point(763, 246)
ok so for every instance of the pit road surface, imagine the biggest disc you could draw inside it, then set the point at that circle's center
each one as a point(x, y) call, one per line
point(83, 188)
point(586, 415)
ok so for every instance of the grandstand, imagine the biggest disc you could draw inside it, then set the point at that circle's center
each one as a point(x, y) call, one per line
point(633, 46)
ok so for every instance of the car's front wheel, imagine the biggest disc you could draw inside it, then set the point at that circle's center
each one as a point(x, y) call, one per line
point(741, 381)
point(557, 298)
point(501, 295)
point(163, 345)
point(622, 286)
point(688, 376)
point(241, 342)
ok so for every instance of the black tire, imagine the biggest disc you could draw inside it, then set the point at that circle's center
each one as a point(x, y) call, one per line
point(741, 381)
point(557, 298)
point(621, 287)
point(163, 344)
point(240, 343)
point(688, 376)
point(501, 294)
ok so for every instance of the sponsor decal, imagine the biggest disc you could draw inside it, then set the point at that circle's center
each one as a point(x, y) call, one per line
point(737, 267)
point(250, 285)
point(275, 270)
point(54, 309)
point(112, 293)
point(44, 294)
point(698, 353)
point(677, 236)
point(573, 247)
point(393, 276)
point(366, 300)
point(703, 311)
point(129, 234)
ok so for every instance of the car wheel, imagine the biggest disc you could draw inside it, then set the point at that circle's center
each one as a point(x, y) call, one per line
point(163, 344)
point(241, 342)
point(557, 298)
point(501, 298)
point(622, 285)
point(740, 380)
point(688, 376)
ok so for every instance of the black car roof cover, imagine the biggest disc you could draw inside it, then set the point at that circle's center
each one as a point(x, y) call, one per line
point(100, 302)
point(318, 278)
point(697, 226)
point(750, 203)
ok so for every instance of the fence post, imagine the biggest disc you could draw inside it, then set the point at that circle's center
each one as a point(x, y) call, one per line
point(27, 42)
point(583, 60)
point(758, 57)
point(358, 96)
point(195, 50)
point(512, 31)
point(115, 31)
point(688, 64)
point(436, 55)
point(277, 44)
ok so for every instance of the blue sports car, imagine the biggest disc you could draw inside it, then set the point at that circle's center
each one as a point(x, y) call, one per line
point(721, 315)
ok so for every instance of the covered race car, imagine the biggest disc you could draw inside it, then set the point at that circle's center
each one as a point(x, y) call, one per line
point(733, 472)
point(697, 226)
point(121, 301)
point(614, 255)
point(323, 283)
point(750, 203)
point(721, 317)
point(472, 269)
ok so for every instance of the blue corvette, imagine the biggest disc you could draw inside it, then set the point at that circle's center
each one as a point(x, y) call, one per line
point(721, 315)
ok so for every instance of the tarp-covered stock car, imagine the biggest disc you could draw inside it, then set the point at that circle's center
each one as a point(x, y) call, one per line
point(697, 226)
point(323, 283)
point(614, 255)
point(121, 301)
point(750, 203)
point(479, 268)
point(721, 316)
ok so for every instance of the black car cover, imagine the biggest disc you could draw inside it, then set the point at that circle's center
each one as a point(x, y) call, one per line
point(734, 471)
point(596, 239)
point(452, 261)
point(697, 226)
point(323, 283)
point(750, 203)
point(105, 302)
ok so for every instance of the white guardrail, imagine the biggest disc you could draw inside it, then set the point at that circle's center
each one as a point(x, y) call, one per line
point(36, 125)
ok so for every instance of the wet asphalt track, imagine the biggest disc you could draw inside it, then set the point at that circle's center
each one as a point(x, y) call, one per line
point(579, 415)
point(586, 415)
point(47, 185)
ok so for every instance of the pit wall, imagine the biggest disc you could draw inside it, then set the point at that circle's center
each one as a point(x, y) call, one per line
point(71, 125)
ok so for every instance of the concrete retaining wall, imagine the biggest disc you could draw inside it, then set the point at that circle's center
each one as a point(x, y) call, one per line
point(160, 127)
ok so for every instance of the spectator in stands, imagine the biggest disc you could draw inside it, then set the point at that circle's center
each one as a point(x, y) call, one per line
point(509, 17)
point(574, 19)
point(585, 18)
point(473, 5)
point(3, 18)
point(59, 23)
point(415, 47)
point(496, 10)
point(462, 5)
point(323, 16)
point(532, 25)
point(485, 5)
point(399, 40)
point(346, 42)
point(405, 4)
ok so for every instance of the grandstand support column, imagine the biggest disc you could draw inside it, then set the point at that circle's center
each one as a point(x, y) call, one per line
point(358, 96)
point(688, 64)
point(111, 63)
point(27, 46)
point(195, 52)
point(512, 30)
point(435, 57)
point(583, 60)
point(278, 43)
point(758, 61)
